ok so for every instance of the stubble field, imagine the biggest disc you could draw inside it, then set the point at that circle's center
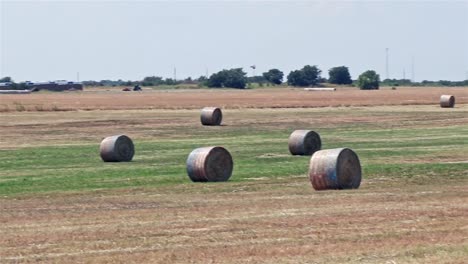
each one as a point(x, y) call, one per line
point(60, 203)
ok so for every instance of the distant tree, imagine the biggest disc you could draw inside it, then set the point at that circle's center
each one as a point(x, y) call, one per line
point(256, 79)
point(6, 79)
point(307, 76)
point(201, 79)
point(368, 80)
point(274, 76)
point(339, 75)
point(152, 81)
point(396, 82)
point(233, 78)
point(296, 78)
point(188, 80)
point(217, 80)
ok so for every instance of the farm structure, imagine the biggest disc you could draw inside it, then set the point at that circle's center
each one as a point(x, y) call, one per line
point(55, 86)
point(49, 86)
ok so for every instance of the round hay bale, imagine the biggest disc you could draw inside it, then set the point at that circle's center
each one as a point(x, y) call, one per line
point(335, 169)
point(447, 101)
point(304, 142)
point(211, 116)
point(117, 148)
point(209, 164)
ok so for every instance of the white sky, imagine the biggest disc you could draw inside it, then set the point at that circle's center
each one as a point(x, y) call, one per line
point(51, 40)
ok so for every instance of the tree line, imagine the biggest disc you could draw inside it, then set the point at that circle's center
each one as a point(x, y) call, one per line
point(236, 78)
point(304, 77)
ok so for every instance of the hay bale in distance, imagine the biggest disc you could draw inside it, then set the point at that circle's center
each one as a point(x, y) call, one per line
point(211, 116)
point(447, 101)
point(320, 89)
point(304, 142)
point(335, 169)
point(117, 148)
point(15, 91)
point(209, 164)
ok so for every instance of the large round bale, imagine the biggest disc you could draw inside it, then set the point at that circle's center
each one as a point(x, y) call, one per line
point(335, 169)
point(211, 116)
point(304, 142)
point(117, 148)
point(447, 101)
point(209, 164)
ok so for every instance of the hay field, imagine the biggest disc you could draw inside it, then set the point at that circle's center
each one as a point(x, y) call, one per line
point(59, 203)
point(114, 99)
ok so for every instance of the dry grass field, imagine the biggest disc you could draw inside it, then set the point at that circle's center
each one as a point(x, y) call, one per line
point(59, 203)
point(115, 99)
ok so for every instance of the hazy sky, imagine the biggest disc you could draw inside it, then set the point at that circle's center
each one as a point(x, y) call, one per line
point(51, 40)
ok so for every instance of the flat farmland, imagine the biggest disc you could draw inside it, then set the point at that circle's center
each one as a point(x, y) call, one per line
point(59, 203)
point(115, 99)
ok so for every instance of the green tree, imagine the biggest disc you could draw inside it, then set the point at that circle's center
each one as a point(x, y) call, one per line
point(307, 76)
point(368, 80)
point(233, 78)
point(296, 78)
point(339, 75)
point(6, 79)
point(274, 76)
point(152, 81)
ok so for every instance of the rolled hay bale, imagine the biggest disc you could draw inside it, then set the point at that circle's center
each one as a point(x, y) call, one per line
point(320, 89)
point(209, 164)
point(211, 116)
point(335, 169)
point(117, 148)
point(447, 101)
point(304, 142)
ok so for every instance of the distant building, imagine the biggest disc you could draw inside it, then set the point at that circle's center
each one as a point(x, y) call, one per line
point(5, 86)
point(36, 86)
point(55, 86)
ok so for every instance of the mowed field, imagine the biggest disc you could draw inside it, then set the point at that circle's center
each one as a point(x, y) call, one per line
point(59, 203)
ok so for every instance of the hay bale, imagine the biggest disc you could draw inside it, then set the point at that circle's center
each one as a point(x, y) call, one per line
point(447, 101)
point(211, 116)
point(335, 169)
point(117, 148)
point(320, 89)
point(209, 164)
point(304, 142)
point(15, 91)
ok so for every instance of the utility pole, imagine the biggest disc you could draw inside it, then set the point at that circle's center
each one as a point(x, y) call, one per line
point(404, 74)
point(175, 74)
point(386, 63)
point(412, 69)
point(78, 76)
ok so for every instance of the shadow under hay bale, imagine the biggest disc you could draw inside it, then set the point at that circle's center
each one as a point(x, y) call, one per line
point(209, 164)
point(211, 116)
point(447, 101)
point(117, 148)
point(335, 169)
point(304, 142)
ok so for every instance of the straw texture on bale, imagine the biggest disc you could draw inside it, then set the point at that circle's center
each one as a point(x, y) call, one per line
point(335, 169)
point(211, 116)
point(209, 164)
point(320, 89)
point(117, 148)
point(447, 101)
point(304, 142)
